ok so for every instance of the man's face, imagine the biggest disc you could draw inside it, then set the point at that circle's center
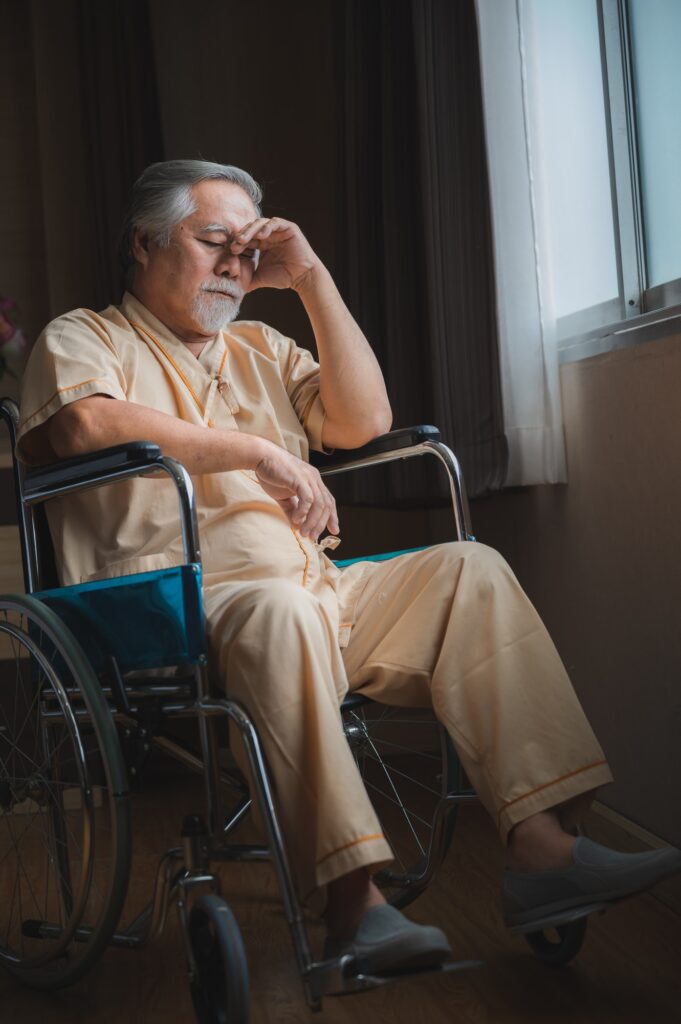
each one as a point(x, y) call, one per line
point(196, 281)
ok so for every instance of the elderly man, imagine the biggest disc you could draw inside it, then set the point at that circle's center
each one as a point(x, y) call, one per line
point(240, 406)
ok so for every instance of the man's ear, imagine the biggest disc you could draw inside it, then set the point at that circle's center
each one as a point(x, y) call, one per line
point(140, 246)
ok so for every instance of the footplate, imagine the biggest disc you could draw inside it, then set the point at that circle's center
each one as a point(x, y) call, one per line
point(558, 919)
point(339, 977)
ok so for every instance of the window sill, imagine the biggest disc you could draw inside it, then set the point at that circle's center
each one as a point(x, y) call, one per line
point(659, 323)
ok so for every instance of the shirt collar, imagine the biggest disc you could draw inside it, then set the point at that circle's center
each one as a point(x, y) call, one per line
point(212, 358)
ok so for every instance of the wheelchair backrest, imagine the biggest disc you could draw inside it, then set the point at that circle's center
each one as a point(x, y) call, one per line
point(34, 532)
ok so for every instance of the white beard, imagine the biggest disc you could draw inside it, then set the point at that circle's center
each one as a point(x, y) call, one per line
point(213, 311)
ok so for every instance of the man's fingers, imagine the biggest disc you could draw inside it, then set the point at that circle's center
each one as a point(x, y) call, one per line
point(309, 505)
point(322, 514)
point(257, 230)
point(305, 496)
point(333, 526)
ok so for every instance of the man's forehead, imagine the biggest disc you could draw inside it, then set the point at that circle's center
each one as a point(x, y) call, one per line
point(221, 205)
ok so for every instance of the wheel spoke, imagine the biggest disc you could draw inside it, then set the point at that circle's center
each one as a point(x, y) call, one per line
point(59, 858)
point(398, 803)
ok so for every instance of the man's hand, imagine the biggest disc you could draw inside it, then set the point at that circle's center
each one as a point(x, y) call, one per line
point(299, 491)
point(286, 256)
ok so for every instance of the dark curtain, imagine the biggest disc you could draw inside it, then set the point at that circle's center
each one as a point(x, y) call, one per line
point(415, 261)
point(120, 118)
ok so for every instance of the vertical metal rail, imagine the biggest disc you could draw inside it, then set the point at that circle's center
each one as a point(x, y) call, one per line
point(9, 411)
point(211, 753)
point(457, 487)
point(446, 457)
point(275, 840)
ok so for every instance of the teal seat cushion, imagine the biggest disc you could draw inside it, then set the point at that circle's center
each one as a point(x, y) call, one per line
point(147, 620)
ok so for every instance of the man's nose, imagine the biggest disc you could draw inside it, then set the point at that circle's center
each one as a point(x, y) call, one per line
point(229, 264)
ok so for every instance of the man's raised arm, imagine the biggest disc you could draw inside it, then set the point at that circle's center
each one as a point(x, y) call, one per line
point(351, 383)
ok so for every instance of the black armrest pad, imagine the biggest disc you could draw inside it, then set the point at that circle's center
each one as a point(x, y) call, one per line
point(134, 454)
point(407, 437)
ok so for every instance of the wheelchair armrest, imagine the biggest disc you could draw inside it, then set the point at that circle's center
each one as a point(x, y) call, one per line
point(407, 437)
point(95, 466)
point(402, 444)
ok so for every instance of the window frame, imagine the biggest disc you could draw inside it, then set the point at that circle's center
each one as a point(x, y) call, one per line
point(637, 315)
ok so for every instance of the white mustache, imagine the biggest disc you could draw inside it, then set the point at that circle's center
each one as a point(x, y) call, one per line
point(224, 291)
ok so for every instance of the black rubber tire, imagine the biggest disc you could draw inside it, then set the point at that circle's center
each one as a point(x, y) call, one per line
point(386, 768)
point(560, 951)
point(219, 988)
point(55, 664)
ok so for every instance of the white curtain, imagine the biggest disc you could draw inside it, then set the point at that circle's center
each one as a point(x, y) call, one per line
point(527, 334)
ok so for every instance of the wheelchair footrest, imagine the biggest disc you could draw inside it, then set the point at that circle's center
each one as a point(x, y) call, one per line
point(338, 977)
point(559, 920)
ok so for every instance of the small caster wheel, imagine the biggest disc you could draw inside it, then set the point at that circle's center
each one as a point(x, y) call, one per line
point(219, 986)
point(557, 946)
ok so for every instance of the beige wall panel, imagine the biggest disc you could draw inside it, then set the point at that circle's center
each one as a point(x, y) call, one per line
point(601, 558)
point(11, 576)
point(22, 243)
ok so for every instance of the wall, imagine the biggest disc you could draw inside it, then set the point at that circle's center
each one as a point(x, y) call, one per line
point(22, 237)
point(601, 559)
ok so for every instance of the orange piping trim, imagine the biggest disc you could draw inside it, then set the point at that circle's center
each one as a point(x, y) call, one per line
point(305, 554)
point(586, 768)
point(362, 839)
point(60, 391)
point(222, 362)
point(172, 362)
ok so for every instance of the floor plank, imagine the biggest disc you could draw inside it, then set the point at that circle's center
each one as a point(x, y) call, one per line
point(628, 971)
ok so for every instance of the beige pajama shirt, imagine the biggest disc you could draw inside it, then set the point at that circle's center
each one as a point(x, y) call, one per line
point(290, 632)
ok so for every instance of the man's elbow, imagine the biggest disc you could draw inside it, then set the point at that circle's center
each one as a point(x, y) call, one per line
point(74, 430)
point(361, 432)
point(378, 425)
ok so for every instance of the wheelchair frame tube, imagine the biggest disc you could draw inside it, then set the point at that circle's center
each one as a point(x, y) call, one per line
point(9, 410)
point(275, 840)
point(174, 469)
point(444, 454)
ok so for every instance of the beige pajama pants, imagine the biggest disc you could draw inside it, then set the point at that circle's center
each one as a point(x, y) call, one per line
point(449, 627)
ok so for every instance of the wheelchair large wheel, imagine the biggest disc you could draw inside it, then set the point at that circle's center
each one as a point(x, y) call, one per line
point(408, 764)
point(65, 838)
point(219, 985)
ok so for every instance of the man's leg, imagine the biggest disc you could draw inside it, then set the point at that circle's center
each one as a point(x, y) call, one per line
point(278, 657)
point(452, 626)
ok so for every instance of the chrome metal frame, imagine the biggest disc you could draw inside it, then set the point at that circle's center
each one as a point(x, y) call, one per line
point(182, 869)
point(444, 454)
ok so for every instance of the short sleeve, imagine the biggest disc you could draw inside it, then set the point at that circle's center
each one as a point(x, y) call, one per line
point(73, 358)
point(300, 373)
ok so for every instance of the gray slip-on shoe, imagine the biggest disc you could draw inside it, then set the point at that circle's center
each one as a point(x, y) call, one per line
point(386, 942)
point(598, 875)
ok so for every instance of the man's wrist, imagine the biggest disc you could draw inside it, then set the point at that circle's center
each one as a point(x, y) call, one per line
point(251, 450)
point(307, 284)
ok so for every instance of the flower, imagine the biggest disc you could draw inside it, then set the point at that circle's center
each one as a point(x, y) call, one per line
point(12, 339)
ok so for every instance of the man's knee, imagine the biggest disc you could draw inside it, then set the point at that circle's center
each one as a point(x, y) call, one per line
point(470, 555)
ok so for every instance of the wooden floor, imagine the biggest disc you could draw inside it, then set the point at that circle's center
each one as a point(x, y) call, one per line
point(629, 971)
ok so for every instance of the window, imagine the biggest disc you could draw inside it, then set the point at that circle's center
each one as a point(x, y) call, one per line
point(604, 83)
point(655, 31)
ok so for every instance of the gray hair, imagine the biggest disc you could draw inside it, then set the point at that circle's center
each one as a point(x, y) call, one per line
point(162, 197)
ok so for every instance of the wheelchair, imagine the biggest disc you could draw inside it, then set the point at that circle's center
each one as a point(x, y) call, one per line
point(79, 718)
